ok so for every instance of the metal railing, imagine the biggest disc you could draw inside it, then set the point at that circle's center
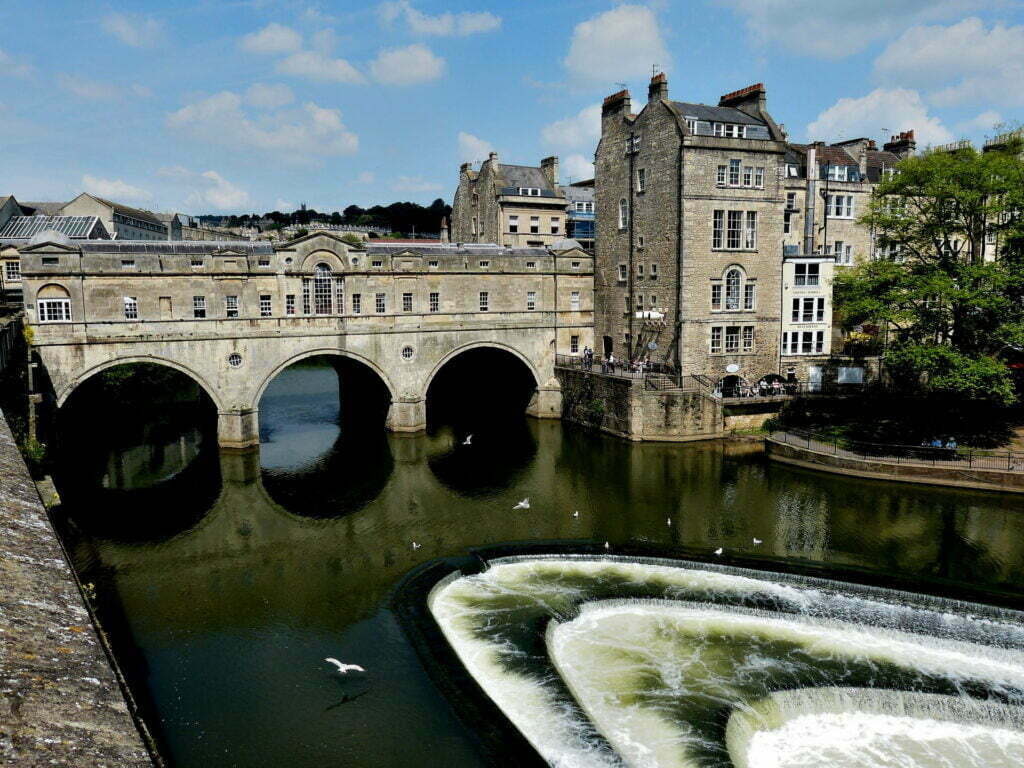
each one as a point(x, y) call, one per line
point(655, 376)
point(9, 328)
point(926, 455)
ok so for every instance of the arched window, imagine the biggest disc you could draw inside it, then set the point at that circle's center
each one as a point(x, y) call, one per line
point(623, 214)
point(53, 304)
point(733, 287)
point(734, 291)
point(323, 290)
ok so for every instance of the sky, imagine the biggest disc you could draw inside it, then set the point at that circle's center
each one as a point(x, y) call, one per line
point(235, 107)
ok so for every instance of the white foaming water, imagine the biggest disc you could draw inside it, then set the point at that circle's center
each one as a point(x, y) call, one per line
point(653, 680)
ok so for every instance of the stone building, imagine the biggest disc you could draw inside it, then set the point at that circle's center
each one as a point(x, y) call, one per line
point(580, 216)
point(122, 221)
point(702, 260)
point(516, 206)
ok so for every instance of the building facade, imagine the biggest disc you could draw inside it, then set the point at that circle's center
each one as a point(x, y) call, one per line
point(122, 221)
point(515, 206)
point(579, 213)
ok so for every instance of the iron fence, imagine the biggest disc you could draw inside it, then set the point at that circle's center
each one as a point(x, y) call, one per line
point(953, 457)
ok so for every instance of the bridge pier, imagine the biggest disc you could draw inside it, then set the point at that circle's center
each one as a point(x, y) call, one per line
point(238, 429)
point(546, 403)
point(407, 416)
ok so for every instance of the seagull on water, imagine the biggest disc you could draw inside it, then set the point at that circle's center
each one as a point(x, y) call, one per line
point(576, 513)
point(524, 504)
point(607, 545)
point(718, 551)
point(757, 540)
point(668, 521)
point(344, 668)
point(469, 439)
point(416, 546)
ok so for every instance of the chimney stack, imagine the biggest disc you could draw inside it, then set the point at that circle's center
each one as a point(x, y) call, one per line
point(658, 89)
point(753, 100)
point(549, 165)
point(616, 104)
point(902, 144)
point(444, 229)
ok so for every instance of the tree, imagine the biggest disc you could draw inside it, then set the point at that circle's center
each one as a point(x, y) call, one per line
point(950, 287)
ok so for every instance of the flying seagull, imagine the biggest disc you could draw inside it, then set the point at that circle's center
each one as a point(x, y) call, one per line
point(524, 504)
point(758, 541)
point(469, 439)
point(718, 551)
point(416, 546)
point(344, 668)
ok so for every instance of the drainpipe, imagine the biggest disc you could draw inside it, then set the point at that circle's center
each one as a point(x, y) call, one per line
point(810, 198)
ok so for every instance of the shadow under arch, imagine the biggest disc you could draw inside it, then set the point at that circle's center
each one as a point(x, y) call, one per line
point(480, 392)
point(66, 391)
point(497, 345)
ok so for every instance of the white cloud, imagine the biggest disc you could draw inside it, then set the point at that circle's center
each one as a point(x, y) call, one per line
point(366, 177)
point(838, 28)
point(445, 24)
point(473, 149)
point(974, 64)
point(889, 110)
point(986, 121)
point(406, 66)
point(219, 192)
point(113, 189)
point(89, 90)
point(269, 96)
point(582, 130)
point(133, 29)
point(576, 168)
point(414, 184)
point(273, 38)
point(314, 65)
point(13, 66)
point(299, 134)
point(620, 43)
point(283, 205)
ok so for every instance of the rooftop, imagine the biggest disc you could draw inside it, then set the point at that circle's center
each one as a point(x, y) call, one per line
point(78, 227)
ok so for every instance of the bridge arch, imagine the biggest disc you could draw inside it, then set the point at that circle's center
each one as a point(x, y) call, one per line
point(65, 392)
point(481, 345)
point(322, 352)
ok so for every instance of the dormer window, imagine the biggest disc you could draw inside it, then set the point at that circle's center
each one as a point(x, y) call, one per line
point(376, 263)
point(529, 191)
point(730, 130)
point(197, 263)
point(485, 265)
point(837, 173)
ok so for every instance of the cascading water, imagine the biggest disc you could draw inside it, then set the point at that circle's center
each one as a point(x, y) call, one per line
point(608, 661)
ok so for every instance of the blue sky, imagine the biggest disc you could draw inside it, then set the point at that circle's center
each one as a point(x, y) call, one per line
point(212, 107)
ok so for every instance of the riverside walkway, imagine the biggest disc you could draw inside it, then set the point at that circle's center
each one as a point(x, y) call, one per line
point(960, 467)
point(61, 701)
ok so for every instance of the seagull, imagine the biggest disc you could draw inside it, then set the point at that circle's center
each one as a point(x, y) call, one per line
point(758, 541)
point(576, 513)
point(524, 504)
point(718, 551)
point(668, 521)
point(344, 668)
point(416, 546)
point(469, 439)
point(607, 545)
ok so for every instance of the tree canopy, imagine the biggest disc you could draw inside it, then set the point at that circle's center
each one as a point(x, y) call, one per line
point(404, 217)
point(947, 282)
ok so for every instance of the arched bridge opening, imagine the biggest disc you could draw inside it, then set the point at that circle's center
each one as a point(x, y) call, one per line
point(478, 386)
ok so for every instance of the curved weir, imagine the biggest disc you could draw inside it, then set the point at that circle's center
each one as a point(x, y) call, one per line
point(609, 661)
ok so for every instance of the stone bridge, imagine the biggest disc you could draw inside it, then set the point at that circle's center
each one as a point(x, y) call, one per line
point(232, 315)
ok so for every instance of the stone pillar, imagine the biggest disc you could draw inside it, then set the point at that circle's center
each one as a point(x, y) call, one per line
point(546, 403)
point(238, 429)
point(407, 416)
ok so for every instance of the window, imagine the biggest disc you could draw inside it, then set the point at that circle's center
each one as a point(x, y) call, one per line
point(809, 310)
point(529, 191)
point(732, 289)
point(131, 308)
point(513, 224)
point(732, 338)
point(50, 261)
point(748, 338)
point(807, 274)
point(534, 225)
point(381, 304)
point(759, 177)
point(339, 295)
point(323, 290)
point(641, 179)
point(716, 229)
point(472, 227)
point(574, 345)
point(432, 264)
point(653, 299)
point(791, 201)
point(803, 343)
point(623, 214)
point(716, 339)
point(691, 125)
point(531, 265)
point(839, 206)
point(750, 232)
point(842, 252)
point(556, 225)
point(485, 265)
point(640, 241)
point(748, 176)
point(199, 307)
point(734, 173)
point(837, 173)
point(266, 305)
point(627, 304)
point(434, 301)
point(654, 271)
point(12, 270)
point(748, 295)
point(264, 261)
point(197, 262)
point(639, 302)
point(723, 171)
point(716, 296)
point(531, 301)
point(640, 271)
point(732, 239)
point(407, 302)
point(407, 353)
point(574, 301)
point(289, 304)
point(54, 310)
point(484, 301)
point(231, 306)
point(128, 264)
point(357, 303)
point(792, 171)
point(622, 273)
point(378, 263)
point(575, 265)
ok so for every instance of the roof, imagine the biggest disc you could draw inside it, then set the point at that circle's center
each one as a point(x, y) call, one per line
point(78, 227)
point(524, 176)
point(878, 160)
point(452, 249)
point(717, 114)
point(42, 209)
point(825, 154)
point(177, 247)
point(127, 210)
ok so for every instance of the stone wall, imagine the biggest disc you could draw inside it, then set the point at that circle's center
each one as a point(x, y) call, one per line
point(62, 702)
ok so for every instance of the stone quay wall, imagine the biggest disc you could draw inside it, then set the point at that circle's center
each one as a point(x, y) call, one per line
point(62, 701)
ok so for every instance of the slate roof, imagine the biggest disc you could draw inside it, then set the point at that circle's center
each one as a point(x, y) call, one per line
point(42, 209)
point(127, 210)
point(182, 247)
point(455, 249)
point(716, 114)
point(78, 227)
point(878, 160)
point(524, 176)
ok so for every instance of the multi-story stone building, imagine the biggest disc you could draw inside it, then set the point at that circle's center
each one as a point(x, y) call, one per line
point(580, 217)
point(122, 221)
point(516, 206)
point(703, 261)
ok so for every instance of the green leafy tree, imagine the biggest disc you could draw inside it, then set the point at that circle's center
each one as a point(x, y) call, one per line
point(950, 287)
